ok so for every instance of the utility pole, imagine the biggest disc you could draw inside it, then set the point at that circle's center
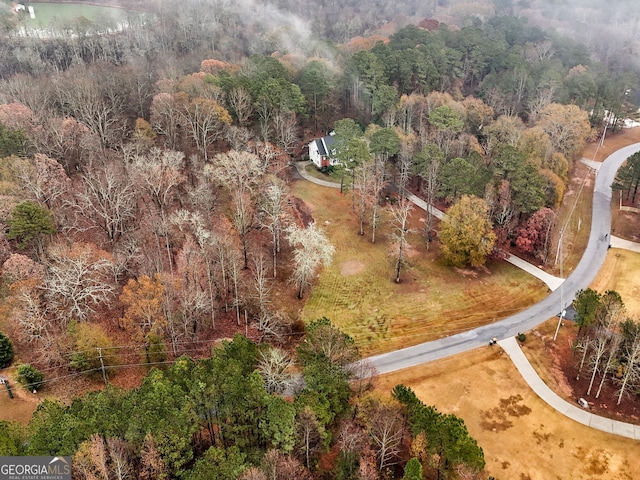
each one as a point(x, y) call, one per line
point(104, 375)
point(563, 312)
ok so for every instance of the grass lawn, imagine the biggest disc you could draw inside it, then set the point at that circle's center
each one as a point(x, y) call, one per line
point(620, 273)
point(47, 14)
point(358, 294)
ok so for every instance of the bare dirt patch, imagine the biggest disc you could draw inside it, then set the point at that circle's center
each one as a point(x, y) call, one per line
point(466, 272)
point(351, 267)
point(557, 364)
point(20, 408)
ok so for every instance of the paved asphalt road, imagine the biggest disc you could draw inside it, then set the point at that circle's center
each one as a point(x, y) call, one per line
point(580, 278)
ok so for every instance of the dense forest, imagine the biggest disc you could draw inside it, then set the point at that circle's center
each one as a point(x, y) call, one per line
point(145, 202)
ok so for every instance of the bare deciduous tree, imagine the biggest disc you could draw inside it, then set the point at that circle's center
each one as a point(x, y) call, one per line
point(240, 173)
point(205, 120)
point(253, 473)
point(44, 179)
point(378, 185)
point(165, 118)
point(285, 130)
point(31, 316)
point(78, 279)
point(363, 177)
point(503, 212)
point(384, 423)
point(309, 433)
point(275, 367)
point(238, 137)
point(400, 228)
point(106, 200)
point(120, 457)
point(431, 189)
point(630, 374)
point(261, 287)
point(94, 99)
point(273, 202)
point(312, 249)
point(609, 314)
point(160, 173)
point(239, 99)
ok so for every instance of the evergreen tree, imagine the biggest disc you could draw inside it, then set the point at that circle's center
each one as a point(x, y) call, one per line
point(28, 221)
point(6, 351)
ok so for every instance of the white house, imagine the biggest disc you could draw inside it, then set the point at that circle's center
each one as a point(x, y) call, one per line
point(322, 152)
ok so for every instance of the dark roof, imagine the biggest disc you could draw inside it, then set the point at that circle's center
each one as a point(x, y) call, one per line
point(320, 146)
point(327, 142)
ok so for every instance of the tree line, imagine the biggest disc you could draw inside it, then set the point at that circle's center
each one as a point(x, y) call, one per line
point(607, 344)
point(252, 411)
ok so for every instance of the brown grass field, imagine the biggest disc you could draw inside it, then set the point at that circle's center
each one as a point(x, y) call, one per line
point(522, 437)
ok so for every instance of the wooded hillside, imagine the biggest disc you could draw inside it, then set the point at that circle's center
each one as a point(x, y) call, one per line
point(145, 212)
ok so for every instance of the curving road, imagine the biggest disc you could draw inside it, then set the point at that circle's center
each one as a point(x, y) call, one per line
point(581, 277)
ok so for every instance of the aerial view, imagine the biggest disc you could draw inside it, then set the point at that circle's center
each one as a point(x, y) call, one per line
point(278, 240)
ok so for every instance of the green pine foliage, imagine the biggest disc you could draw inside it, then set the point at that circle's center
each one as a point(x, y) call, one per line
point(30, 377)
point(447, 435)
point(12, 142)
point(213, 418)
point(6, 351)
point(29, 220)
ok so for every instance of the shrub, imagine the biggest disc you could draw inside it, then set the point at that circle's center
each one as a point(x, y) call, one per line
point(6, 350)
point(522, 337)
point(30, 377)
point(155, 348)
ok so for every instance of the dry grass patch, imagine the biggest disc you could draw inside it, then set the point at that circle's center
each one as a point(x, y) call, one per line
point(20, 408)
point(613, 142)
point(358, 294)
point(579, 212)
point(620, 273)
point(522, 437)
point(575, 213)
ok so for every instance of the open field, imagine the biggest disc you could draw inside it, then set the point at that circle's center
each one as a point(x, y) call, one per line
point(47, 14)
point(522, 437)
point(358, 294)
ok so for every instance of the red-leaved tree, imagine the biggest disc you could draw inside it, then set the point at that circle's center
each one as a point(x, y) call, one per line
point(535, 236)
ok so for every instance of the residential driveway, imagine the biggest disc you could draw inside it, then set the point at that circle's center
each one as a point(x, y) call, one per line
point(617, 242)
point(301, 169)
